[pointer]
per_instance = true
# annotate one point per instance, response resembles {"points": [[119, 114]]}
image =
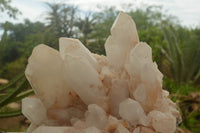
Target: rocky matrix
{"points": [[81, 92]]}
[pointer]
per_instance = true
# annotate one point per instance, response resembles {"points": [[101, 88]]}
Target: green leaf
{"points": [[6, 100], [12, 82], [10, 114], [197, 76], [22, 95]]}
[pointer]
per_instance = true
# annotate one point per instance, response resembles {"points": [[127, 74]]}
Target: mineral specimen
{"points": [[81, 92]]}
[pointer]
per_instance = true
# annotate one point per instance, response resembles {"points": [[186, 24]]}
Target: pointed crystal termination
{"points": [[81, 92], [75, 48], [122, 39], [146, 80], [136, 111], [88, 88], [45, 73], [28, 109]]}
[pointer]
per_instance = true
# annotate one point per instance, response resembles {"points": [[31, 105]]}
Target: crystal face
{"points": [[81, 92]]}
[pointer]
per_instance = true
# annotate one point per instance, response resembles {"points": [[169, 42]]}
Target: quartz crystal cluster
{"points": [[81, 92]]}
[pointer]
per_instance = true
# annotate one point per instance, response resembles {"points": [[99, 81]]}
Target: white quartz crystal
{"points": [[29, 106], [75, 48], [89, 130], [121, 129], [136, 130], [80, 74], [31, 128], [162, 122], [118, 93], [48, 129], [96, 116], [143, 75], [45, 73], [122, 39], [81, 92], [131, 111]]}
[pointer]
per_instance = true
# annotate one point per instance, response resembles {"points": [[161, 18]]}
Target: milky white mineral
{"points": [[136, 111], [81, 92]]}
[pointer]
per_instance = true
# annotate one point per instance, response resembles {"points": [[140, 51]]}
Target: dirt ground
{"points": [[19, 123]]}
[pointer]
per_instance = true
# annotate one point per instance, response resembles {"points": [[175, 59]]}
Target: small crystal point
{"points": [[96, 117], [34, 110], [131, 111]]}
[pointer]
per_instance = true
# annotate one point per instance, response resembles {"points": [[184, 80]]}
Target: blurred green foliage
{"points": [[179, 88], [187, 97], [175, 48], [13, 91]]}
